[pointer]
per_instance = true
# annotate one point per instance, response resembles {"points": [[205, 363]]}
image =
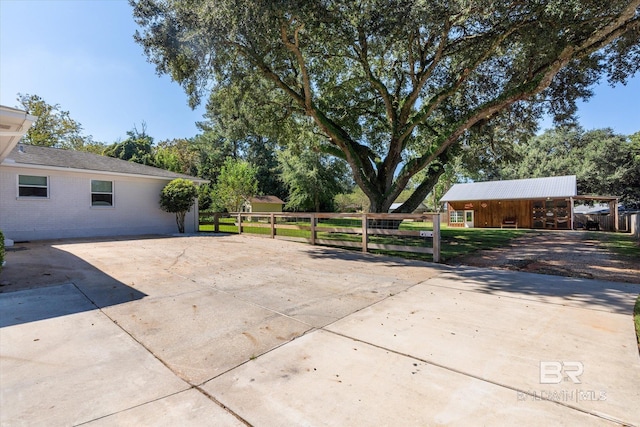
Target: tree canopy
{"points": [[394, 87], [604, 163], [237, 184], [178, 197], [138, 147], [313, 179], [54, 127]]}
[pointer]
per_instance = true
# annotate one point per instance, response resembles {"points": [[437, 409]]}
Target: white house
{"points": [[49, 193]]}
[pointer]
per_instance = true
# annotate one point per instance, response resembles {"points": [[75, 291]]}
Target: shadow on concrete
{"points": [[41, 282], [348, 254], [617, 297]]}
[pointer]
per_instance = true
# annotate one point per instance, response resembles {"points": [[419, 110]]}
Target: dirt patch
{"points": [[565, 253]]}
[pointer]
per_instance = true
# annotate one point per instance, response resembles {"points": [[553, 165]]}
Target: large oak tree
{"points": [[396, 86]]}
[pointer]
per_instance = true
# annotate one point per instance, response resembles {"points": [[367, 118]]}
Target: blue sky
{"points": [[81, 54]]}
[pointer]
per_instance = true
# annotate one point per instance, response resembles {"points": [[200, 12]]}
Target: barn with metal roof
{"points": [[545, 203]]}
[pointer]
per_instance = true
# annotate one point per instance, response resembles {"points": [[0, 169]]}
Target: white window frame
{"points": [[112, 193], [456, 217], [47, 187]]}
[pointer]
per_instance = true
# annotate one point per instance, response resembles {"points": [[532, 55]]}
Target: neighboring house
{"points": [[49, 193], [546, 203], [264, 204]]}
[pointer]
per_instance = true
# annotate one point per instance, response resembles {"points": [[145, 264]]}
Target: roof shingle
{"points": [[80, 160], [266, 199]]}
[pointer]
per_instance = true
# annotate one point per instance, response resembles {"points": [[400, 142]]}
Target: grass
{"points": [[636, 320], [455, 241], [620, 243], [462, 241]]}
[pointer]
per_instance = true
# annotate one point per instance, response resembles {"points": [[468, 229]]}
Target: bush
{"points": [[1, 250], [205, 199], [178, 197]]}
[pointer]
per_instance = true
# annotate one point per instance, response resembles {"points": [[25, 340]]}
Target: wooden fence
{"points": [[363, 231]]}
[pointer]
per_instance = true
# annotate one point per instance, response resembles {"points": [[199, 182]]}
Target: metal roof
{"points": [[532, 188], [56, 158]]}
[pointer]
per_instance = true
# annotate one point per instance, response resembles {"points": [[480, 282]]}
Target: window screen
{"points": [[101, 193], [33, 186]]}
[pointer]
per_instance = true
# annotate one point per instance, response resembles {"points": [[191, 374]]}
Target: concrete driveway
{"points": [[235, 330]]}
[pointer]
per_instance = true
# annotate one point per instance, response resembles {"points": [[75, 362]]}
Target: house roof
{"points": [[56, 158], [267, 199], [533, 188]]}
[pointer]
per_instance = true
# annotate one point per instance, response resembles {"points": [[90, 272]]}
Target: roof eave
{"points": [[93, 171], [15, 124]]}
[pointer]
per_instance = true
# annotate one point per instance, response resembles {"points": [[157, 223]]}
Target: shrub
{"points": [[178, 197]]}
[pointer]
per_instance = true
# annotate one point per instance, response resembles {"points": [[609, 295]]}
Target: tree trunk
{"points": [[180, 221]]}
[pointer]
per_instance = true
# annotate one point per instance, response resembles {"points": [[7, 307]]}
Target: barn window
{"points": [[101, 193], [33, 186], [456, 217]]}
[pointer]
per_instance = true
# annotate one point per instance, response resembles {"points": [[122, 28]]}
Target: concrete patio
{"points": [[240, 330]]}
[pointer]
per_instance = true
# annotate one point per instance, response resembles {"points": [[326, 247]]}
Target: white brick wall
{"points": [[68, 211]]}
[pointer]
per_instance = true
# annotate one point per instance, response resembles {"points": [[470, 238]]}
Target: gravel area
{"points": [[566, 253]]}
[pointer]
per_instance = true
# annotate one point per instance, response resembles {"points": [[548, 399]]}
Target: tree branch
{"points": [[294, 47], [362, 52]]}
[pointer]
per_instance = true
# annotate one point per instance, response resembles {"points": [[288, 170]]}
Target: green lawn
{"points": [[455, 241], [636, 319], [621, 243], [462, 241]]}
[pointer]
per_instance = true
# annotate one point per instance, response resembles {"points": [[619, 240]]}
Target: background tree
{"points": [[313, 178], [177, 155], [247, 119], [236, 184], [263, 153], [212, 151], [205, 198], [138, 147], [178, 197], [395, 87], [631, 178], [354, 201], [54, 127], [604, 163]]}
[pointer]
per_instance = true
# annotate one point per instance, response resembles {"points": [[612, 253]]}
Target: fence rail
{"points": [[364, 231]]}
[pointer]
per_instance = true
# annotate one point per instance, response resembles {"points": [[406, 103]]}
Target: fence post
{"points": [[239, 223], [436, 237], [313, 229], [273, 225], [216, 222], [365, 233]]}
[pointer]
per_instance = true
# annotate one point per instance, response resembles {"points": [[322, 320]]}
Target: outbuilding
{"points": [[264, 204], [543, 203]]}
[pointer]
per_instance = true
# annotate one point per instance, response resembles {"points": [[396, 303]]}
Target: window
{"points": [[456, 217], [101, 193], [33, 186]]}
